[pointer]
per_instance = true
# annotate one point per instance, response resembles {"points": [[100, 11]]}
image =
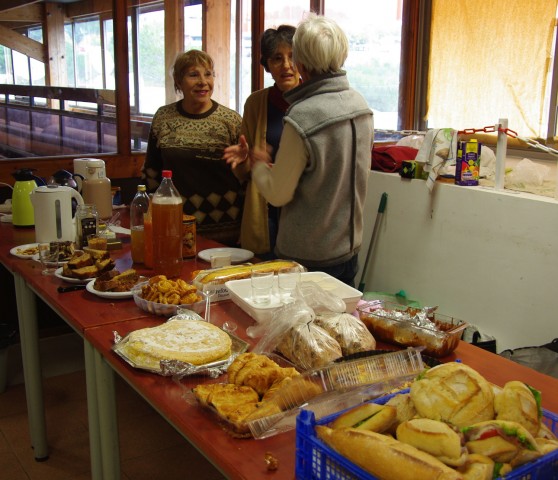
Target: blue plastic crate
{"points": [[317, 461]]}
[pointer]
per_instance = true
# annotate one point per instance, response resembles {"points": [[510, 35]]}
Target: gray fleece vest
{"points": [[322, 225]]}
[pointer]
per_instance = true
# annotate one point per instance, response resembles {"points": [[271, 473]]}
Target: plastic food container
{"points": [[315, 459], [336, 387], [241, 293], [392, 328], [164, 309]]}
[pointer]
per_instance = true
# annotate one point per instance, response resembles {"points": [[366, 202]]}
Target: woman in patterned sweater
{"points": [[188, 137]]}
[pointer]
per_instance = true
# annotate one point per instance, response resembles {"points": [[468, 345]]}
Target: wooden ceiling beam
{"points": [[29, 13], [22, 44], [11, 4]]}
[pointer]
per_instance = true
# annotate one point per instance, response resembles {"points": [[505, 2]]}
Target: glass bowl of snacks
{"points": [[162, 296]]}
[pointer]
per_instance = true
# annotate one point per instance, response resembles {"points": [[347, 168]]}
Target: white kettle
{"points": [[53, 213]]}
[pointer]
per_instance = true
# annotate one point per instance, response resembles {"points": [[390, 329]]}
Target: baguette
{"points": [[385, 457], [369, 416], [433, 437]]}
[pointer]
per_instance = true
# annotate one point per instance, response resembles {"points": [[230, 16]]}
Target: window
{"points": [[373, 29], [483, 69], [151, 65], [88, 56], [280, 13]]}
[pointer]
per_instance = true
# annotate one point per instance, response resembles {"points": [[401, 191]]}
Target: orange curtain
{"points": [[491, 60]]}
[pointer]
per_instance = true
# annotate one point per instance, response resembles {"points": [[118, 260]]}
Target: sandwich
{"points": [[453, 393], [384, 457], [517, 402], [478, 467], [434, 437], [502, 441], [369, 416]]}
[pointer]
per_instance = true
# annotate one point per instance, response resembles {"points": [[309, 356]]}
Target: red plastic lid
{"points": [[167, 173]]}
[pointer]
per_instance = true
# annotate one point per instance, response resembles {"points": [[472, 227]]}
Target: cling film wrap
{"points": [[239, 272]]}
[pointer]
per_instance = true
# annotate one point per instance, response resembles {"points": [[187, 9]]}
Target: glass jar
{"points": [[87, 223]]}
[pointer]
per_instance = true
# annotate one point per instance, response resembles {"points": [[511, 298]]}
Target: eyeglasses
{"points": [[277, 60], [197, 76]]}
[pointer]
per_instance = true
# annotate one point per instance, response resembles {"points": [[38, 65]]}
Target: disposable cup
{"points": [[262, 283], [287, 279]]}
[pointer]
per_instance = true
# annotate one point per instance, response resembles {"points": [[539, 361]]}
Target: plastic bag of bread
{"points": [[309, 346], [293, 333], [318, 299], [349, 331]]}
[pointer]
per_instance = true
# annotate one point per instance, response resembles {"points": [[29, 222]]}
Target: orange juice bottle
{"points": [[167, 228]]}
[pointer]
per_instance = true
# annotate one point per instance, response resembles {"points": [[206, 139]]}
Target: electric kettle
{"points": [[22, 208], [53, 213]]}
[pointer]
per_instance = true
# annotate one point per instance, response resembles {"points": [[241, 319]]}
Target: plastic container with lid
{"points": [[167, 228], [97, 188], [138, 208]]}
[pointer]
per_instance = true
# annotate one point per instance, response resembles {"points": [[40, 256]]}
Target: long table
{"points": [[97, 319]]}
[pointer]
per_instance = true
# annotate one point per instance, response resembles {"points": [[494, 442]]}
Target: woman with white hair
{"points": [[320, 172]]}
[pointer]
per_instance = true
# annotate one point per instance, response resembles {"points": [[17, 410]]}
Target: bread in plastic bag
{"points": [[309, 346], [349, 331], [292, 333]]}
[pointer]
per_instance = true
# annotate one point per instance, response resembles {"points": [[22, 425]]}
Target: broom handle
{"points": [[381, 208]]}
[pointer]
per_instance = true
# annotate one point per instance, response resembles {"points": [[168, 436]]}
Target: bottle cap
{"points": [[141, 188], [167, 173]]}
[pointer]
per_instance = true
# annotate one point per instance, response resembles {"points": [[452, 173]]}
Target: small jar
{"points": [[189, 236], [87, 223]]}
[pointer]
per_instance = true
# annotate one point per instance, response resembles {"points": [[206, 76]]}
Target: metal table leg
{"points": [[29, 335], [108, 425], [93, 412]]}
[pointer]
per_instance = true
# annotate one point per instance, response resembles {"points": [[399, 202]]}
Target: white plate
{"points": [[79, 281], [238, 255], [241, 293], [91, 289], [14, 251]]}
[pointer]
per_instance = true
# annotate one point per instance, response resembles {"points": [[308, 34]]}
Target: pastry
{"points": [[190, 341]]}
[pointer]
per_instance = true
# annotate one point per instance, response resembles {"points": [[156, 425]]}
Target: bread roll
{"points": [[516, 403], [433, 437], [477, 467], [453, 393], [385, 457], [404, 407]]}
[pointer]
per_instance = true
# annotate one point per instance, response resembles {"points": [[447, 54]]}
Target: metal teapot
{"points": [[22, 209], [65, 179]]}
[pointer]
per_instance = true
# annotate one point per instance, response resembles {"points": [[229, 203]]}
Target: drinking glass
{"points": [[262, 283], [287, 279], [48, 256]]}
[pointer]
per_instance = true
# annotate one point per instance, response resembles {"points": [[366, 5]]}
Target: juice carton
{"points": [[467, 166]]}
